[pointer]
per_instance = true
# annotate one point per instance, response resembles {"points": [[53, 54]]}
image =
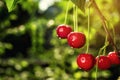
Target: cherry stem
{"points": [[104, 24], [113, 30], [66, 14], [76, 16], [96, 70], [88, 35], [105, 45]]}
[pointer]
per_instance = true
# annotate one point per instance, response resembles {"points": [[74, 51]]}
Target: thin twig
{"points": [[103, 19]]}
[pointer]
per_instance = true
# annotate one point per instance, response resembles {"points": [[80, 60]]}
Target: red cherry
{"points": [[63, 31], [113, 56], [76, 39], [103, 62], [85, 61]]}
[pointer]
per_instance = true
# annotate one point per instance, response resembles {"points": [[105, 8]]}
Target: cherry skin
{"points": [[63, 31], [85, 61], [103, 62], [76, 39], [113, 56]]}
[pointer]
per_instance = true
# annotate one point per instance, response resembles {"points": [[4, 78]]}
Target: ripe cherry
{"points": [[113, 56], [63, 31], [103, 62], [76, 39], [85, 61]]}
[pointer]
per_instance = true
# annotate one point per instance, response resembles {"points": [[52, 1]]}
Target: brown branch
{"points": [[103, 19]]}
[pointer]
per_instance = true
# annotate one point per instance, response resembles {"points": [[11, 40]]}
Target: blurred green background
{"points": [[30, 49]]}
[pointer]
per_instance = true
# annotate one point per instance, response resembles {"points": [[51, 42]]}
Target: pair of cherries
{"points": [[75, 39], [87, 61]]}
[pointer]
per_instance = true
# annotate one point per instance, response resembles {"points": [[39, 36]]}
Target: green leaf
{"points": [[11, 4], [80, 4]]}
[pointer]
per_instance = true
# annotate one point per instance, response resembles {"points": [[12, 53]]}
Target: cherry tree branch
{"points": [[103, 19]]}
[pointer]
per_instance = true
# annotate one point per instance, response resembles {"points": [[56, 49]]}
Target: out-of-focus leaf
{"points": [[80, 4], [11, 4]]}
